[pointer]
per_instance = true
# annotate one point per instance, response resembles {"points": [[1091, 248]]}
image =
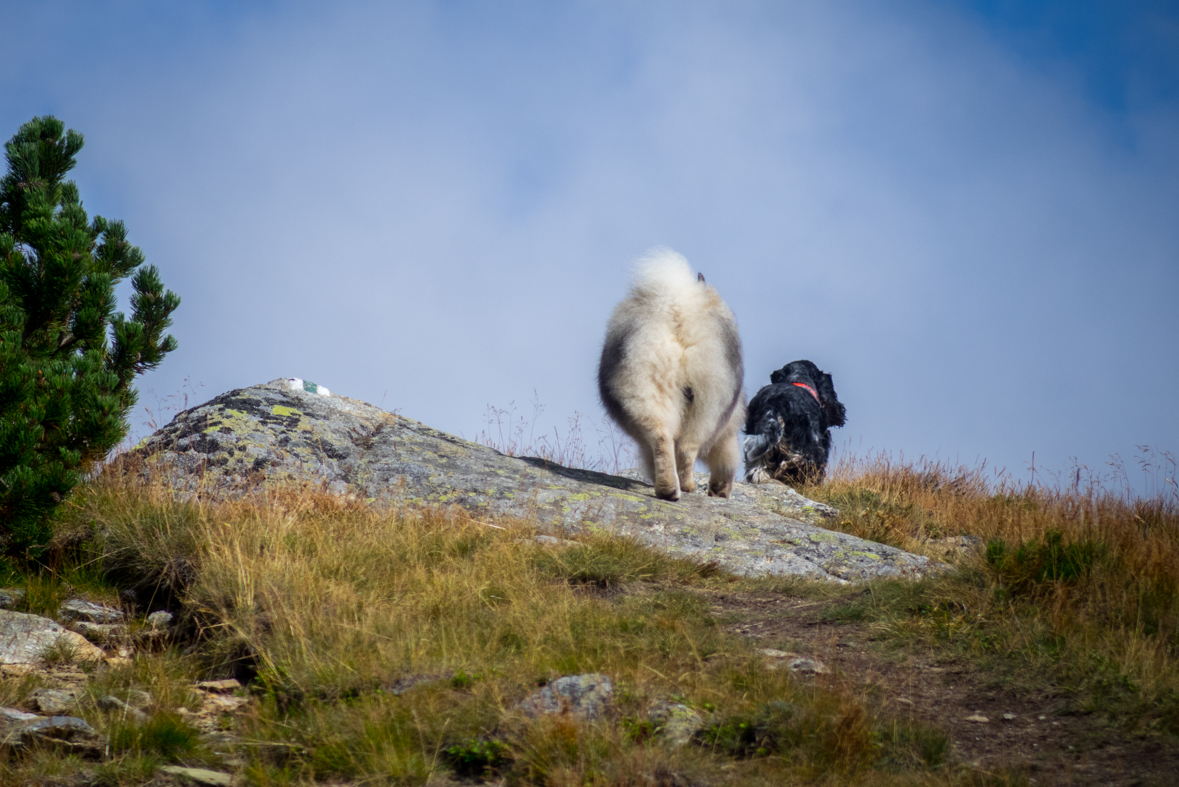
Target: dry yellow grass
{"points": [[393, 646], [1077, 582], [383, 643]]}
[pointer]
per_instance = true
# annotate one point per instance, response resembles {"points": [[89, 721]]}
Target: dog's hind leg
{"points": [[663, 453], [685, 462], [646, 459], [723, 460]]}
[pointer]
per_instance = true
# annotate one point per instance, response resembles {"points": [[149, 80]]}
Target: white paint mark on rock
{"points": [[307, 386]]}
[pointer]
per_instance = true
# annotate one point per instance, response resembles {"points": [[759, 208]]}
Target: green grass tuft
{"points": [[477, 758], [164, 735]]}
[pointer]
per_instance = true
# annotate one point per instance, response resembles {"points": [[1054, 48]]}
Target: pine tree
{"points": [[67, 358]]}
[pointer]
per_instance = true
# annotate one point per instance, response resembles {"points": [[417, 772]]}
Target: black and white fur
{"points": [[788, 427], [671, 375]]}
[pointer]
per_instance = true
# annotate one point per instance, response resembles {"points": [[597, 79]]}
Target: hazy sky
{"points": [[966, 212]]}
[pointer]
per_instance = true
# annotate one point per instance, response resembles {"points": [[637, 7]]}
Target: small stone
{"points": [[15, 670], [10, 597], [553, 541], [78, 609], [219, 686], [67, 733], [69, 674], [978, 718], [100, 633], [160, 620], [677, 722], [220, 738], [199, 775], [227, 703], [794, 662], [1008, 717], [408, 682], [578, 695], [12, 714], [112, 704], [812, 666], [956, 546], [138, 698], [55, 702], [61, 727]]}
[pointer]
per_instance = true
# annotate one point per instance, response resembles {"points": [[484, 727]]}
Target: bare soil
{"points": [[1013, 730]]}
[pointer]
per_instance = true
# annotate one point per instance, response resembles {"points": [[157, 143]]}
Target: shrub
{"points": [[1036, 563], [66, 357], [775, 727], [477, 757], [165, 735]]}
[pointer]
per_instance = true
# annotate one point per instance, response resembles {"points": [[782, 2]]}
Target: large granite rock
{"points": [[288, 433]]}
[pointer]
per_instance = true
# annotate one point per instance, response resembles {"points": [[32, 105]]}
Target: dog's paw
{"points": [[758, 475], [720, 490], [672, 494]]}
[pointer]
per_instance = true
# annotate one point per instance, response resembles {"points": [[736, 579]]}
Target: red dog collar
{"points": [[811, 390]]}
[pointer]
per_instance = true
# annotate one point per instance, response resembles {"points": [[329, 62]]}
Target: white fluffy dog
{"points": [[671, 376]]}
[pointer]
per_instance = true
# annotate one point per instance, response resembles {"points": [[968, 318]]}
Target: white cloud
{"points": [[443, 206]]}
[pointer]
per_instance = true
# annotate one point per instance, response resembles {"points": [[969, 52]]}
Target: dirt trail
{"points": [[1028, 734]]}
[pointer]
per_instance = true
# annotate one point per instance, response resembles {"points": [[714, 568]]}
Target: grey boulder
{"points": [[288, 434]]}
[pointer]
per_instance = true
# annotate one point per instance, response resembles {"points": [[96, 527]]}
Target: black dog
{"points": [[789, 426]]}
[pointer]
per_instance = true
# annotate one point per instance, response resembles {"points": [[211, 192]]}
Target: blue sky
{"points": [[965, 211]]}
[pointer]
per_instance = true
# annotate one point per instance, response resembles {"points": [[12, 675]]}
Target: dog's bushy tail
{"points": [[767, 434], [663, 272]]}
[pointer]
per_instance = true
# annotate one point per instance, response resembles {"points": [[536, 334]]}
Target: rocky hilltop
{"points": [[290, 433]]}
